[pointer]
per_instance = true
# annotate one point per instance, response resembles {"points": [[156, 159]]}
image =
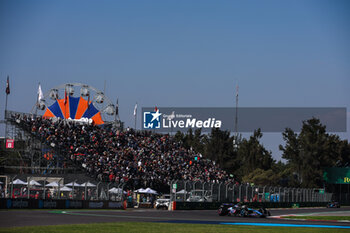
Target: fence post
{"points": [[12, 186], [263, 197], [108, 190], [185, 194], [194, 185], [176, 181], [286, 193], [279, 194], [311, 198], [28, 186], [171, 190], [98, 184], [233, 193], [44, 193], [59, 189], [240, 192], [246, 192]]}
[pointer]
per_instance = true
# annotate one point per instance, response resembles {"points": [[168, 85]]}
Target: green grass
{"points": [[141, 227], [320, 217]]}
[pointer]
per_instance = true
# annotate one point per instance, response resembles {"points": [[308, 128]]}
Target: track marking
{"points": [[199, 221]]}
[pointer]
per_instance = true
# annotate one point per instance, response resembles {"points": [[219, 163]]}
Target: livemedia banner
{"points": [[244, 120]]}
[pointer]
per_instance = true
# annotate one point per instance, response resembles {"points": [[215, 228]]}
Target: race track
{"points": [[11, 218]]}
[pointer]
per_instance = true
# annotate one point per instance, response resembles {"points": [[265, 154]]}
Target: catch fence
{"points": [[189, 191]]}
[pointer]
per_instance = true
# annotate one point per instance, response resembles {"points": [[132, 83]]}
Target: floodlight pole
{"points": [[235, 140], [236, 117], [6, 121]]}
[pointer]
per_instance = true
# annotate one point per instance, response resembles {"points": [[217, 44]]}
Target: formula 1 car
{"points": [[249, 212], [224, 209], [242, 211], [333, 204]]}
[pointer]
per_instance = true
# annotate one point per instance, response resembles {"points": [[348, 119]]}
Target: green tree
{"points": [[253, 155], [219, 148], [262, 177], [310, 151]]}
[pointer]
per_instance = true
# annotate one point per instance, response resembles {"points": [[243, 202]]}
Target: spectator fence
{"points": [[232, 192]]}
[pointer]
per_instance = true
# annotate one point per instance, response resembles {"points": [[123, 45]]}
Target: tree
{"points": [[252, 155], [262, 177], [312, 150]]}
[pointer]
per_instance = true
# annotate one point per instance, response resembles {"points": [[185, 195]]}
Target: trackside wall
{"points": [[8, 203]]}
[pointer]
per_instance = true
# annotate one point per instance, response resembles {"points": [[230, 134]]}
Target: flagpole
{"points": [[5, 107], [236, 117], [135, 122], [37, 102], [7, 93], [5, 119], [115, 115], [135, 114]]}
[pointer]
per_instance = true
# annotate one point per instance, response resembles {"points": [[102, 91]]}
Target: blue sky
{"points": [[180, 53]]}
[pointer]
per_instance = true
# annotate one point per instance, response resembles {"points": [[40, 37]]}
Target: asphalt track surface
{"points": [[12, 218]]}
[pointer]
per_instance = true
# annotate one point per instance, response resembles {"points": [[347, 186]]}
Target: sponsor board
{"points": [[96, 205], [50, 204], [17, 204], [167, 119], [115, 205], [74, 204]]}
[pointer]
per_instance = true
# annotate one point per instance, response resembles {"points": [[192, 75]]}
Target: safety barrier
{"points": [[8, 203]]}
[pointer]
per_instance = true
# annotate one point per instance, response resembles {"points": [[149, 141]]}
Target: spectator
{"points": [[134, 158]]}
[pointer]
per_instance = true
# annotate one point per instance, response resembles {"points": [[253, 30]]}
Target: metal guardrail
{"points": [[230, 192]]}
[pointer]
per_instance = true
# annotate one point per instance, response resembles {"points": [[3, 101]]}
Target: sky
{"points": [[182, 53]]}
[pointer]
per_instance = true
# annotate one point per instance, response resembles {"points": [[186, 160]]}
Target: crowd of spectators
{"points": [[136, 158]]}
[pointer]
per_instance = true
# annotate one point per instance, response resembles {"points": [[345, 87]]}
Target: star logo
{"points": [[156, 115], [152, 120]]}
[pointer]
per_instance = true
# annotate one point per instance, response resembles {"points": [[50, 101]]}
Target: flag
{"points": [[40, 94], [117, 108], [8, 85], [135, 109], [155, 109]]}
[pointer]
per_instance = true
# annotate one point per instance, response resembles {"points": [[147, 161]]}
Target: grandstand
{"points": [[138, 159], [47, 145]]}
